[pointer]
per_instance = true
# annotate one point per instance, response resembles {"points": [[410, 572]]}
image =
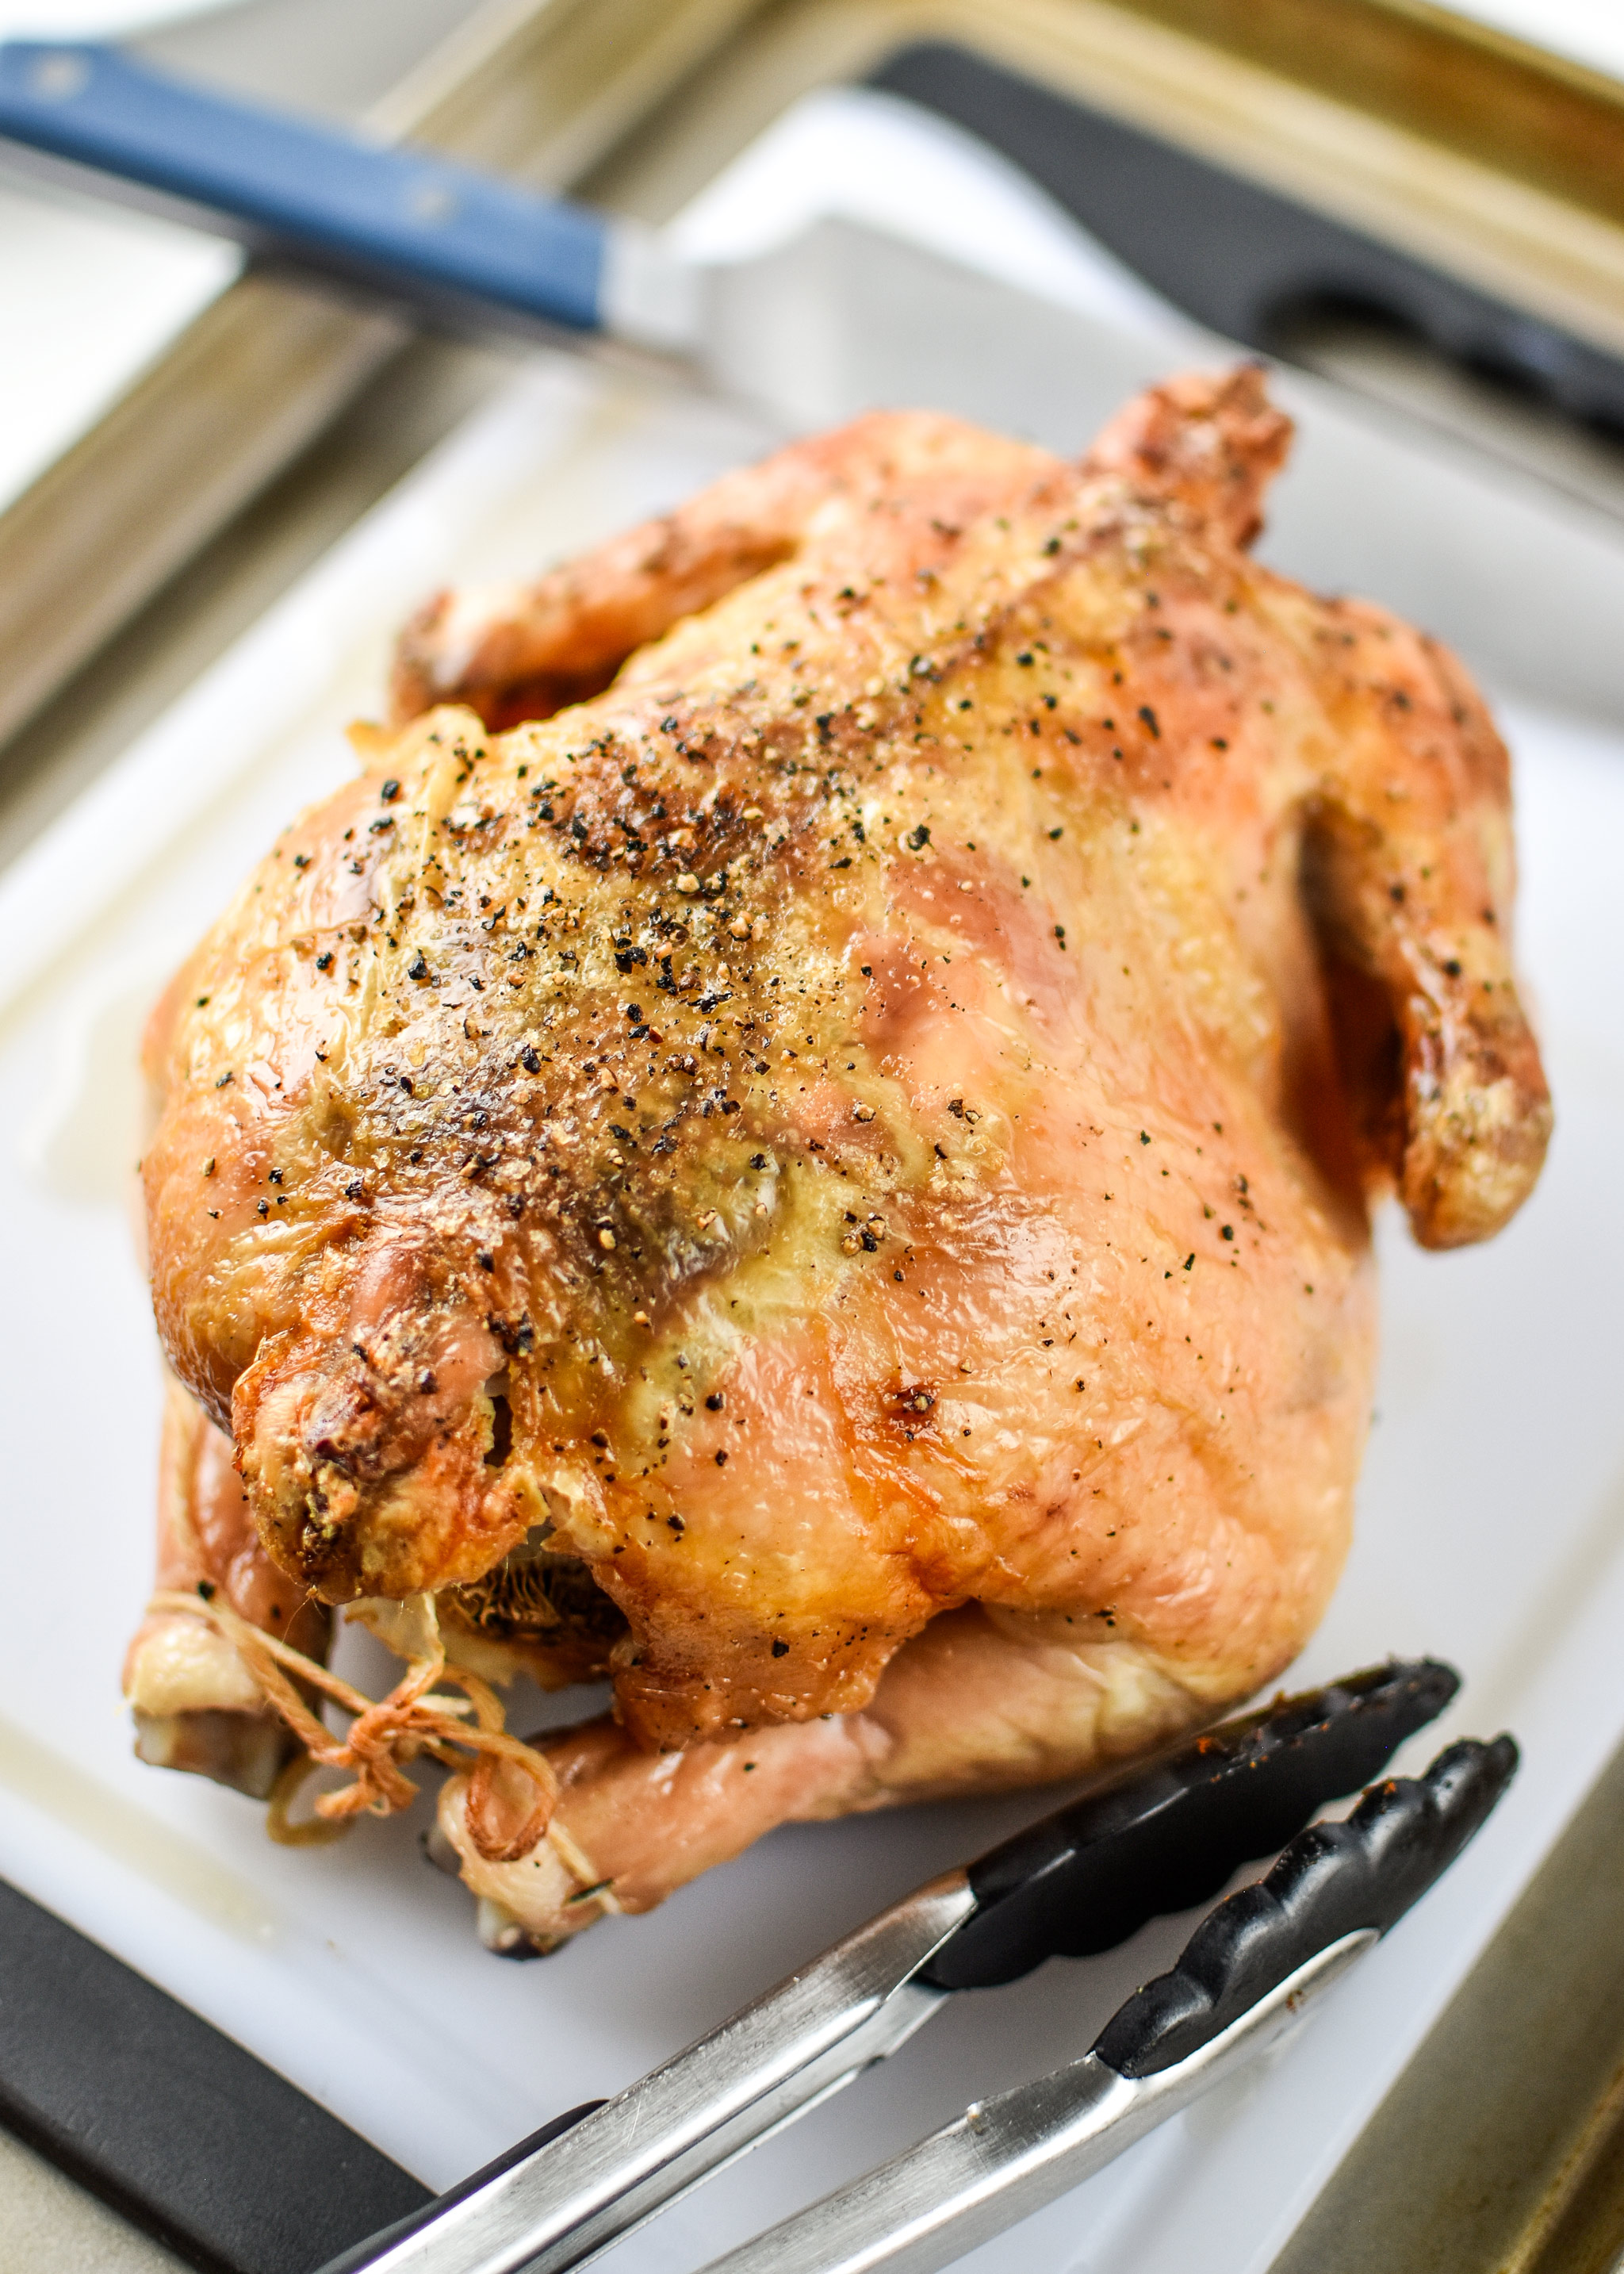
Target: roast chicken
{"points": [[800, 1141]]}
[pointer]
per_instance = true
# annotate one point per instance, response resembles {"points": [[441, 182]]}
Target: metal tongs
{"points": [[1157, 1840]]}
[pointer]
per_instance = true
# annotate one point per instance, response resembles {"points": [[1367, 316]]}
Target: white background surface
{"points": [[1492, 1511], [96, 19], [1588, 31]]}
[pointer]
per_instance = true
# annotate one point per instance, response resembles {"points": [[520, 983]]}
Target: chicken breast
{"points": [[849, 1147]]}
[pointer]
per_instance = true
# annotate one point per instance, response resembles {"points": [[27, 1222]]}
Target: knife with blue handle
{"points": [[403, 220]]}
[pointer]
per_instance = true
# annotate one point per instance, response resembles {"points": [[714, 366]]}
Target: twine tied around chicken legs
{"points": [[415, 1718]]}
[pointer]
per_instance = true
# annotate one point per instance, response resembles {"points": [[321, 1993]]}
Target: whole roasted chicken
{"points": [[800, 1139]]}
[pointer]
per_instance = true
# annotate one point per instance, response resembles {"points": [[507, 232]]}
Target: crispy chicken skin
{"points": [[865, 1120]]}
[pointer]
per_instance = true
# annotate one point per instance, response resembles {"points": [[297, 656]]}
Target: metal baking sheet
{"points": [[1492, 1510]]}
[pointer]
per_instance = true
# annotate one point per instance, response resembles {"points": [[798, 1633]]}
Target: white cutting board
{"points": [[1491, 1526]]}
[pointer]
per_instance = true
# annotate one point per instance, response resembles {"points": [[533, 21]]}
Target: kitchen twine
{"points": [[387, 1731]]}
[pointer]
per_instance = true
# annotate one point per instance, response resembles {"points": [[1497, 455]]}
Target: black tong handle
{"points": [[1156, 1838], [1334, 1880], [1166, 1838]]}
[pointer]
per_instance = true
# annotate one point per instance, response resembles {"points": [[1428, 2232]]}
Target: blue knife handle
{"points": [[402, 218]]}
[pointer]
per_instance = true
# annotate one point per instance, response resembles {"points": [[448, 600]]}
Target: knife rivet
{"points": [[429, 202], [59, 77]]}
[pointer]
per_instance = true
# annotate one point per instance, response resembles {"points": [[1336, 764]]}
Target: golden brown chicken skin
{"points": [[870, 1116]]}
